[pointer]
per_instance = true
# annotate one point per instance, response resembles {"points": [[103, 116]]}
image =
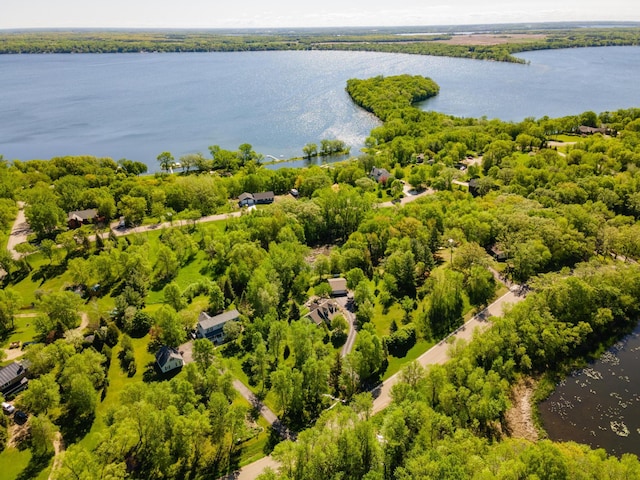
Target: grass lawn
{"points": [[13, 463], [118, 381], [564, 138], [24, 331], [382, 321], [396, 364]]}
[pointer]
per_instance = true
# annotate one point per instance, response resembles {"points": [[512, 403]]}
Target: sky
{"points": [[299, 13]]}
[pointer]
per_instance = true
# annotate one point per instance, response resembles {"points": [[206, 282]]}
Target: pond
{"points": [[600, 404]]}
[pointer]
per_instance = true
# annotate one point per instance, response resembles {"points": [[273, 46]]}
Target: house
{"points": [[13, 378], [322, 311], [380, 175], [585, 130], [497, 253], [213, 327], [168, 358], [77, 218], [263, 198], [247, 199], [338, 287], [474, 187]]}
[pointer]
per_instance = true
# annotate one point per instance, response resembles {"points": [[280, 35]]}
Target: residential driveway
{"points": [[346, 305]]}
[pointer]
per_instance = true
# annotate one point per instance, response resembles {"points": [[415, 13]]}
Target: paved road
{"points": [[251, 471], [439, 353]]}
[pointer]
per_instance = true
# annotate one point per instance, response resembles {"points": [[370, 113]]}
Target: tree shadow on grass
{"points": [[37, 464], [74, 427], [46, 272]]}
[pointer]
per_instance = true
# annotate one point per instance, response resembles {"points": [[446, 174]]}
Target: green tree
{"points": [[166, 161], [260, 360], [42, 432], [81, 397], [10, 302], [170, 329], [173, 296], [203, 353], [49, 249], [42, 211], [132, 209], [43, 394], [60, 312], [310, 150]]}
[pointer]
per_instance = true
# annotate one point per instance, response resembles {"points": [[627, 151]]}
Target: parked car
{"points": [[20, 417], [8, 408]]}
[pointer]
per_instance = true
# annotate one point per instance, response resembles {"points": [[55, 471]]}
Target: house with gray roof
{"points": [[379, 174], [213, 327], [169, 358], [13, 378], [77, 218]]}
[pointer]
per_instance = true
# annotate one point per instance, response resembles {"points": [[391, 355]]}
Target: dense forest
{"points": [[507, 41], [465, 207]]}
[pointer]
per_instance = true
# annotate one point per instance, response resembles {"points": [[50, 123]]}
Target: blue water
{"points": [[138, 105]]}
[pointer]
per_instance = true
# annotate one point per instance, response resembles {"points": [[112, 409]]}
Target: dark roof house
{"points": [[379, 174], [585, 130], [263, 197], [13, 378], [168, 358], [213, 327], [77, 218]]}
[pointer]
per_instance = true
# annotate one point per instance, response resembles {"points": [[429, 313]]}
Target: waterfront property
{"points": [[212, 328]]}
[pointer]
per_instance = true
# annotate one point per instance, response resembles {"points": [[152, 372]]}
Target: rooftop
{"points": [[206, 321]]}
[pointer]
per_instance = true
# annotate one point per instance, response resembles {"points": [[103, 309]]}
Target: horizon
{"points": [[288, 14]]}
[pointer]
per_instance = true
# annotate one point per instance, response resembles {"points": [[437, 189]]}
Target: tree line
{"points": [[130, 42]]}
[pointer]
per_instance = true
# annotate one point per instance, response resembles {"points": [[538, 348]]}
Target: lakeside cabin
{"points": [[212, 328]]}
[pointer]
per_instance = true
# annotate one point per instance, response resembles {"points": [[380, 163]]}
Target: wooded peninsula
{"points": [[187, 323]]}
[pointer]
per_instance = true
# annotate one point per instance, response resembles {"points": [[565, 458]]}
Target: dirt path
{"points": [[519, 418], [58, 449], [19, 232]]}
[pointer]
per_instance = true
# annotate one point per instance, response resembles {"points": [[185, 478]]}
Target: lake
{"points": [[138, 105], [600, 405]]}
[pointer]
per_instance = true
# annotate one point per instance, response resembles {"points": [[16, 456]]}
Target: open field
{"points": [[492, 39]]}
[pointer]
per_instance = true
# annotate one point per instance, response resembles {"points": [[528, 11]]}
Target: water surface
{"points": [[138, 105], [600, 405]]}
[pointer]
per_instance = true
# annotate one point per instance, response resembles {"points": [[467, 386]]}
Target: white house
{"points": [[213, 327], [168, 358]]}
